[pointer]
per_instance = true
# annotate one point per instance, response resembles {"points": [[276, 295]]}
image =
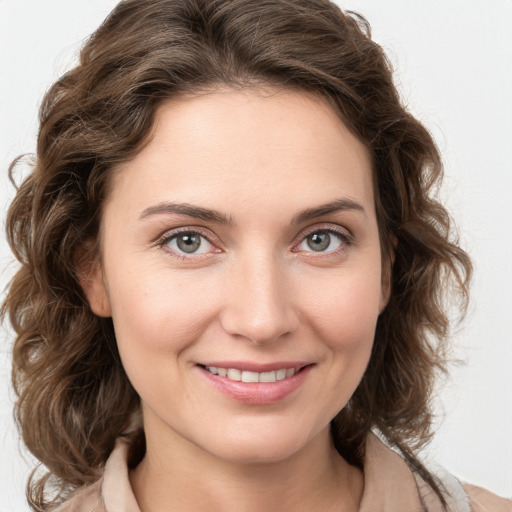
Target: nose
{"points": [[259, 304]]}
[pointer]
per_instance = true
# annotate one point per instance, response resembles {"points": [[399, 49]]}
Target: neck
{"points": [[180, 476]]}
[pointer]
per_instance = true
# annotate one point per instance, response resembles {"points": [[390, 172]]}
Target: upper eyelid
{"points": [[169, 233], [162, 241], [214, 239], [325, 226]]}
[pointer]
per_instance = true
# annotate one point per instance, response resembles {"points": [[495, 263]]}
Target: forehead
{"points": [[255, 147]]}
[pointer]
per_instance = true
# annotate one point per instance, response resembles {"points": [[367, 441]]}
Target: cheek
{"points": [[158, 318], [157, 311], [342, 318], [345, 309]]}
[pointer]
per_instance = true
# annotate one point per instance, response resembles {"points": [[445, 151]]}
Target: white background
{"points": [[454, 67]]}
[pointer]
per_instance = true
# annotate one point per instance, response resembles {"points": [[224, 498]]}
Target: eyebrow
{"points": [[189, 210], [338, 205], [211, 215]]}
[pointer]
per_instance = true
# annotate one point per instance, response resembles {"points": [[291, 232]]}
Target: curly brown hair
{"points": [[74, 398]]}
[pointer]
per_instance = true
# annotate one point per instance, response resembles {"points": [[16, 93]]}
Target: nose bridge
{"points": [[259, 307]]}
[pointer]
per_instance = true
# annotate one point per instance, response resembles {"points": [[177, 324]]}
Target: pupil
{"points": [[319, 241], [188, 242]]}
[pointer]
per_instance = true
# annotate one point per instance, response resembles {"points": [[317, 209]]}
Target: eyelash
{"points": [[345, 237], [168, 236]]}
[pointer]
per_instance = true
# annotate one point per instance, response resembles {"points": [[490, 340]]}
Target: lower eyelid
{"points": [[344, 238], [345, 241], [214, 245]]}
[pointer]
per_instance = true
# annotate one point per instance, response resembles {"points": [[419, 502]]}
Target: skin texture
{"points": [[255, 291]]}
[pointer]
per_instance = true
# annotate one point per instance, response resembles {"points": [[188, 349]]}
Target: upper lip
{"points": [[251, 366]]}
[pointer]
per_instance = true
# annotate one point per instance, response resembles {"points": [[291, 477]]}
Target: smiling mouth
{"points": [[257, 388], [238, 375]]}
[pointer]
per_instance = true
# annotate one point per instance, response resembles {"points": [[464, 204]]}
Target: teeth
{"points": [[234, 374], [267, 377], [281, 374], [246, 376], [249, 376]]}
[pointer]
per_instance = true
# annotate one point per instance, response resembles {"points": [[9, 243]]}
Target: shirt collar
{"points": [[389, 484]]}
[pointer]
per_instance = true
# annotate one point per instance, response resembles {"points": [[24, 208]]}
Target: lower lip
{"points": [[257, 393]]}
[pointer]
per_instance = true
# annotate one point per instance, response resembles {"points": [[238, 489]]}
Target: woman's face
{"points": [[241, 266]]}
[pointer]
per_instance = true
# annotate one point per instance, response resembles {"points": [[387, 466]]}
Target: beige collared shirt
{"points": [[389, 486]]}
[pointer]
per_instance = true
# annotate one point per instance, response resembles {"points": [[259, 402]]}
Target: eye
{"points": [[323, 241], [188, 242]]}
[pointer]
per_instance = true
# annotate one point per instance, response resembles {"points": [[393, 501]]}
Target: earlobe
{"points": [[96, 292], [385, 291], [92, 282], [387, 272]]}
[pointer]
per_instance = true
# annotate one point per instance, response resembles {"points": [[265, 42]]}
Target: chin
{"points": [[258, 453], [262, 446]]}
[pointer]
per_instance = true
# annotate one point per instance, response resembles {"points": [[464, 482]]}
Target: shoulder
{"points": [[483, 500], [459, 496], [87, 499], [390, 480], [112, 492]]}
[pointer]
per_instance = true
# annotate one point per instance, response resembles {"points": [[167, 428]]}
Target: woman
{"points": [[230, 229]]}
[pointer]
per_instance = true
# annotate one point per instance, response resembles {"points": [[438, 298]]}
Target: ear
{"points": [[90, 275], [385, 293], [387, 272]]}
